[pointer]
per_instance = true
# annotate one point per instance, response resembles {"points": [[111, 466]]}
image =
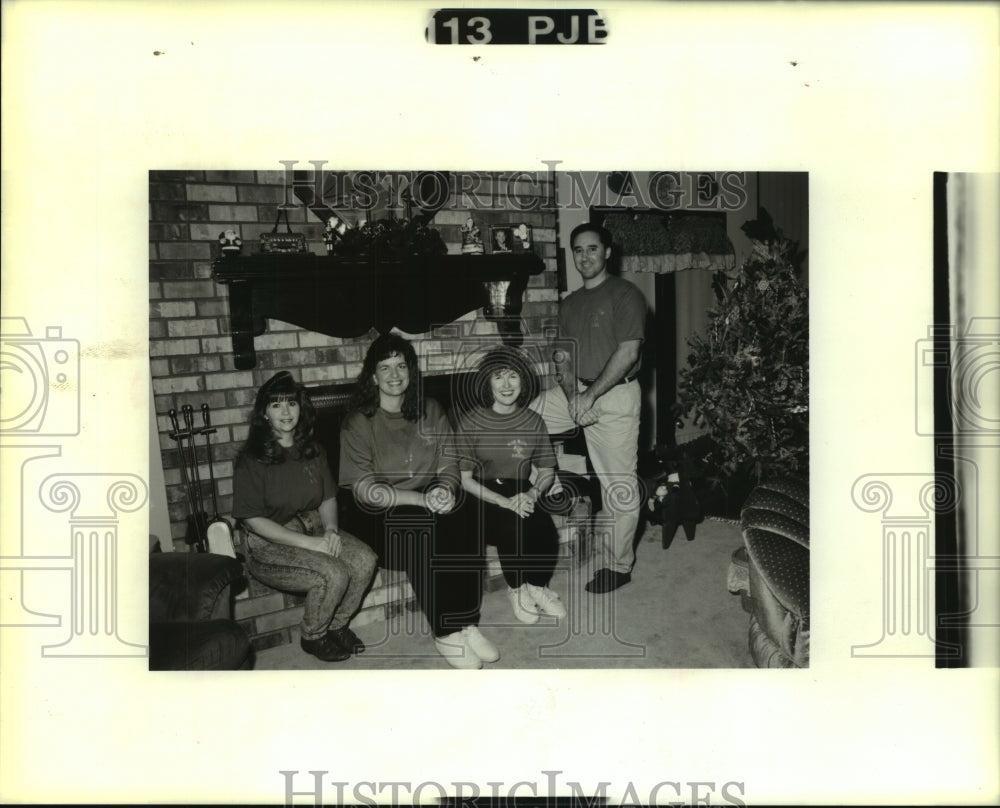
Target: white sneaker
{"points": [[456, 651], [479, 646], [523, 605], [547, 600]]}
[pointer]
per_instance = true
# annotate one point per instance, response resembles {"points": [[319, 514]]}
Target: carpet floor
{"points": [[676, 613]]}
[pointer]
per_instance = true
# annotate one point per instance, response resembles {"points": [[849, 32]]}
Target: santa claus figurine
{"points": [[230, 242]]}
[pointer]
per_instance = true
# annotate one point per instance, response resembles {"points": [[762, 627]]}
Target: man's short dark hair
{"points": [[589, 227]]}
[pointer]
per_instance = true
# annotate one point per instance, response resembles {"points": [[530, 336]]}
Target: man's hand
{"points": [[581, 409]]}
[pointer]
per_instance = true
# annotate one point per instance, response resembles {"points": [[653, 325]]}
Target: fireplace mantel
{"points": [[344, 298]]}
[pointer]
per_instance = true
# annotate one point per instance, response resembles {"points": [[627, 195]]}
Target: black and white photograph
{"points": [[501, 239], [315, 493], [589, 515], [522, 237]]}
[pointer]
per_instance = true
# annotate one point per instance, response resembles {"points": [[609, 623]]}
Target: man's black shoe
{"points": [[346, 639], [608, 581], [324, 649], [600, 577]]}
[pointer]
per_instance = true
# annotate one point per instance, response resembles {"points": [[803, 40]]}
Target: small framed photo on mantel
{"points": [[501, 239], [522, 238]]}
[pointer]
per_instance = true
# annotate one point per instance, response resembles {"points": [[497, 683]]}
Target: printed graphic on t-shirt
{"points": [[518, 447]]}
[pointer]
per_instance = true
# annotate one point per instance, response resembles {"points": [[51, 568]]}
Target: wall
{"points": [[159, 517], [785, 195], [190, 351]]}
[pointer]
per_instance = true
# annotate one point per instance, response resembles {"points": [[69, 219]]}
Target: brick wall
{"points": [[191, 359]]}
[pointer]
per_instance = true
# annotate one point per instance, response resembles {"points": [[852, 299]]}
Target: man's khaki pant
{"points": [[613, 444]]}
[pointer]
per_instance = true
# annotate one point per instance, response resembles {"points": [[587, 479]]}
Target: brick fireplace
{"points": [[191, 351]]}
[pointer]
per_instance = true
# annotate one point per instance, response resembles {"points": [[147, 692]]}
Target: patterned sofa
{"points": [[775, 526]]}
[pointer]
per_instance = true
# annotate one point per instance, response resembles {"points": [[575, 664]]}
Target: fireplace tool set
{"points": [[211, 535]]}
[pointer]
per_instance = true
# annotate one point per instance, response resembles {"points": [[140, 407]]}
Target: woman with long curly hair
{"points": [[397, 455], [286, 499], [501, 443]]}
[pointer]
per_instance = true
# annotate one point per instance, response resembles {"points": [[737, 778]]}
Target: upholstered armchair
{"points": [[775, 526], [191, 624]]}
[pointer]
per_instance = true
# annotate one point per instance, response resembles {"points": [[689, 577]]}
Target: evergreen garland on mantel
{"points": [[747, 383]]}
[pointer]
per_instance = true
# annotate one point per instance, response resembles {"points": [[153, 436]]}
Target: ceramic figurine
{"points": [[335, 228], [472, 241], [231, 243], [522, 237]]}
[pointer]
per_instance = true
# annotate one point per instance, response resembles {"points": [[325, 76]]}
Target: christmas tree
{"points": [[747, 380]]}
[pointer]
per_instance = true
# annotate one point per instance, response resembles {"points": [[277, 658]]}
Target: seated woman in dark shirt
{"points": [[285, 497], [397, 456]]}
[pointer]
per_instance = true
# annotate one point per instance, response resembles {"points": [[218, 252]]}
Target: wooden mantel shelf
{"points": [[344, 298]]}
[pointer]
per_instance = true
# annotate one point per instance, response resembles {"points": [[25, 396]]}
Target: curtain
{"points": [[672, 242], [660, 242]]}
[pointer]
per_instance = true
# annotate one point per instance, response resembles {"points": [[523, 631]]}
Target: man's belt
{"points": [[626, 380]]}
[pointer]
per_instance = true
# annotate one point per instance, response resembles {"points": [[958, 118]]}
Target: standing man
{"points": [[604, 323]]}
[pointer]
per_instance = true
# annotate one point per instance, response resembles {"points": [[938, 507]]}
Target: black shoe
{"points": [[608, 581], [599, 579], [324, 649], [346, 639]]}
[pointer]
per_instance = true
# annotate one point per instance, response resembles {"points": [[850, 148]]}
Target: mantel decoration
{"points": [[673, 242], [501, 239], [333, 231], [385, 239], [522, 237], [747, 383], [278, 242], [472, 240], [230, 243]]}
